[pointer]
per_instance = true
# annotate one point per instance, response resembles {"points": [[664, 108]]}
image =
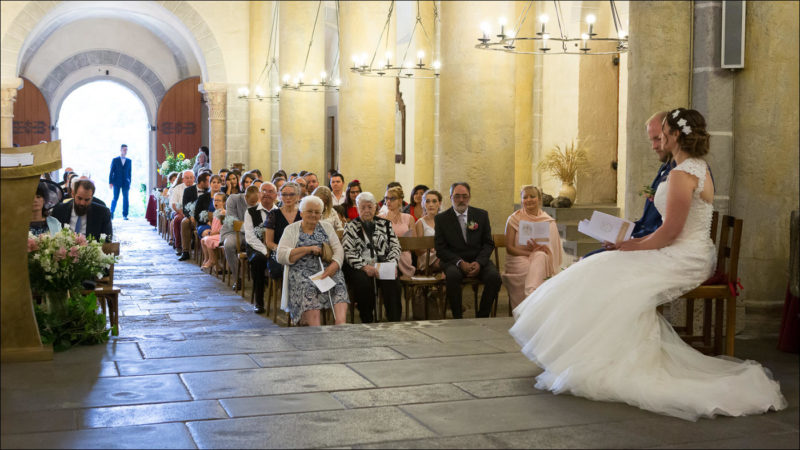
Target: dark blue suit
{"points": [[120, 177], [651, 218]]}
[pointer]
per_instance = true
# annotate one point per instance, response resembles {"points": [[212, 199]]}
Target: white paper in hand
{"points": [[538, 231], [323, 284], [387, 270], [606, 228]]}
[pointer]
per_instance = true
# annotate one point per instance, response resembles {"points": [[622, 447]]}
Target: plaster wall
{"points": [[765, 167], [260, 111], [523, 106], [560, 103]]}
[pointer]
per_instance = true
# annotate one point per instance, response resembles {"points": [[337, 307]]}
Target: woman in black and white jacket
{"points": [[369, 240]]}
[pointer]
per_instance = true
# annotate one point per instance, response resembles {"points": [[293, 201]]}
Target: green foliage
{"points": [[71, 321], [173, 162]]}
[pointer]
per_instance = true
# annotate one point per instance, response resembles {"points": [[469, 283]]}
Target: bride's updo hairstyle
{"points": [[691, 127]]}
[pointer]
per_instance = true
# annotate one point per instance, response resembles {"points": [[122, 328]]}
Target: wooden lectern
{"points": [[18, 328]]}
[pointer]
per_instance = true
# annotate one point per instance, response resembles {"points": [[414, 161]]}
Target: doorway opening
{"points": [[94, 121]]}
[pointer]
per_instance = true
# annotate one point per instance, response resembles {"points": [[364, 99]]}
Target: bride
{"points": [[594, 328]]}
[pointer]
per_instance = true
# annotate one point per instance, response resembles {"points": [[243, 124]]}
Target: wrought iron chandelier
{"points": [[417, 69], [546, 44], [269, 71], [327, 81]]}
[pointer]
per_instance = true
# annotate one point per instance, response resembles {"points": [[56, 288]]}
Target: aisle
{"points": [[165, 298]]}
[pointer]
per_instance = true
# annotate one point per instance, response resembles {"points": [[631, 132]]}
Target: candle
{"points": [[420, 55], [590, 19], [485, 28], [545, 37], [584, 38], [502, 21], [543, 20]]}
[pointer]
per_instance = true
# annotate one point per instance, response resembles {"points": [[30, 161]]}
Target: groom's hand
{"points": [[609, 245], [474, 269]]}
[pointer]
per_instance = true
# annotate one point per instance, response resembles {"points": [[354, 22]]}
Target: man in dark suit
{"points": [[464, 245], [119, 178], [83, 215], [188, 224]]}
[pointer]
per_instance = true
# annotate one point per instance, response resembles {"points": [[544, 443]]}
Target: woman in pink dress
{"points": [[527, 266], [402, 224], [211, 241]]}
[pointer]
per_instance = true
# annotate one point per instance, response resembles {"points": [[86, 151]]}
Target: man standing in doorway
{"points": [[119, 178]]}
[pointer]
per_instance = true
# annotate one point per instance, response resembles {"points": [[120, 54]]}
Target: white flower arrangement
{"points": [[219, 215], [229, 221], [259, 231], [190, 208], [203, 216]]}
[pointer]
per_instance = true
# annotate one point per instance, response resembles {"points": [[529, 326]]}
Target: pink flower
{"points": [[73, 251], [81, 239], [32, 245], [61, 253]]}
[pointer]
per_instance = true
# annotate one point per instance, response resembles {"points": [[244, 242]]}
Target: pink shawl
{"points": [[553, 247]]}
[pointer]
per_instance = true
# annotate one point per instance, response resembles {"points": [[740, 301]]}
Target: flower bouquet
{"points": [[648, 192], [173, 162]]}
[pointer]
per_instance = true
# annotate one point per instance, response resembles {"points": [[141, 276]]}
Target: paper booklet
{"points": [[323, 284], [538, 231], [605, 227], [387, 270]]}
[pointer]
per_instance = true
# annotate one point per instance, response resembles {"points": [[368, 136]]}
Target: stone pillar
{"points": [[657, 80], [216, 97], [8, 95], [424, 102], [260, 111], [477, 110], [302, 114], [523, 104], [366, 104]]}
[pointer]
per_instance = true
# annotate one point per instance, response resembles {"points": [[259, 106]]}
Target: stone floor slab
{"points": [[216, 346], [465, 333], [431, 393], [186, 364], [168, 435], [21, 375], [516, 413], [500, 388], [113, 351], [272, 381], [116, 391], [359, 339], [186, 317], [472, 441], [120, 416], [778, 440], [306, 430], [280, 404], [38, 421], [445, 349], [446, 369], [330, 356], [507, 344]]}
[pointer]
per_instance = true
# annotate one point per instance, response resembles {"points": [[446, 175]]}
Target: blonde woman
{"points": [[402, 224], [328, 213]]}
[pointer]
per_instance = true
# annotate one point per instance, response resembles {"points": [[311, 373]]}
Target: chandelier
{"points": [[417, 69], [546, 44], [325, 82], [269, 71]]}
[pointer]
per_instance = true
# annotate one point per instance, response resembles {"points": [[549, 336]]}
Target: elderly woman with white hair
{"points": [[368, 240], [300, 250]]}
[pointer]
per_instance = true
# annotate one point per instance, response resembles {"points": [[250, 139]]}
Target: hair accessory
{"points": [[686, 129], [682, 122], [676, 113], [355, 181]]}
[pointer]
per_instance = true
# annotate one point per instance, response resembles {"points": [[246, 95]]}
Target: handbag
{"points": [[327, 252]]}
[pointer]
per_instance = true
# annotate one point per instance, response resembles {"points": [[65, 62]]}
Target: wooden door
{"points": [[31, 116], [179, 116]]}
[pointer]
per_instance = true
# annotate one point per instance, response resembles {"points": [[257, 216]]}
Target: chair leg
{"points": [[707, 312], [689, 317], [731, 325], [719, 306]]}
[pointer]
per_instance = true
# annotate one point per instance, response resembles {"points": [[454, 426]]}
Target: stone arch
{"points": [[38, 20], [150, 105]]}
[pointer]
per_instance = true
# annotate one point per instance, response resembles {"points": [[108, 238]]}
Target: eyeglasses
{"points": [[288, 194], [389, 199], [355, 192], [316, 213], [460, 196]]}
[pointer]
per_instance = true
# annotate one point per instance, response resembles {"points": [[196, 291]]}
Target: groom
{"points": [[464, 246], [119, 178]]}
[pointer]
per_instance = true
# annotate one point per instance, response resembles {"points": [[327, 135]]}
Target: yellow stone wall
{"points": [[260, 111], [523, 107], [765, 181]]}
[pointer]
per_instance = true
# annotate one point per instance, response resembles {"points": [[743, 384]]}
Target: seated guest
{"points": [[464, 245], [402, 224], [41, 222], [84, 216], [328, 213], [257, 173], [382, 204], [223, 173], [527, 266], [205, 202], [65, 182], [201, 162], [299, 250], [210, 239], [236, 207], [311, 182], [414, 206], [232, 184], [257, 183], [426, 226], [69, 177], [353, 191], [176, 202], [368, 240], [336, 184], [292, 176], [188, 223], [277, 221], [254, 237], [302, 183]]}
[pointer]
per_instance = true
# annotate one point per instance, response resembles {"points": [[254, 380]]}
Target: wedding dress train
{"points": [[595, 332]]}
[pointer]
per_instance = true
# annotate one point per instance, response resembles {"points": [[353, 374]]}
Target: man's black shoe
{"points": [[184, 256], [235, 286], [178, 251], [259, 310], [125, 218]]}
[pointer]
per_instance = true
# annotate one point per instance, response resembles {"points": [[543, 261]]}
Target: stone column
{"points": [[424, 102], [366, 104], [302, 114], [525, 69], [216, 97], [8, 95], [260, 111], [477, 110], [657, 80]]}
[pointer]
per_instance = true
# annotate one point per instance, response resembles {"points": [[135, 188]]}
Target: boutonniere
{"points": [[472, 225], [648, 192]]}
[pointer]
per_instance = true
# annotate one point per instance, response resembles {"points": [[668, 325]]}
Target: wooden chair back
{"points": [[730, 239], [413, 244], [109, 248], [499, 242], [237, 228]]}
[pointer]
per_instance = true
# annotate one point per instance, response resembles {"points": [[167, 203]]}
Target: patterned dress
{"points": [[303, 294]]}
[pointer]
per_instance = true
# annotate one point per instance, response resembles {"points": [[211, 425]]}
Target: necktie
{"points": [[462, 219], [78, 224]]}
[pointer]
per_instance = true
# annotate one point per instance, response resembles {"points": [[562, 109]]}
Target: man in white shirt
{"points": [[256, 249], [337, 188], [176, 203]]}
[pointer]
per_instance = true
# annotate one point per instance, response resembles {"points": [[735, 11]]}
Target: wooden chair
{"points": [[107, 295], [244, 266], [499, 242], [415, 284], [718, 292], [476, 282]]}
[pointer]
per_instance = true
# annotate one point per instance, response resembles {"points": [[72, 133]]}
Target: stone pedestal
{"points": [[216, 97], [20, 333]]}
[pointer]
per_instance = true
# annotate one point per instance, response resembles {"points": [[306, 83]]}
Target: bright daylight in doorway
{"points": [[94, 121]]}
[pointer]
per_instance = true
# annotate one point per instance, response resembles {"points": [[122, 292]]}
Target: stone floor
{"points": [[194, 367]]}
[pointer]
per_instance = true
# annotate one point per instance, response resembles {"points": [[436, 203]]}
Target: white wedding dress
{"points": [[595, 332]]}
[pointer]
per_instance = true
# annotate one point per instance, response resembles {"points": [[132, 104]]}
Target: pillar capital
{"points": [[8, 95], [216, 97]]}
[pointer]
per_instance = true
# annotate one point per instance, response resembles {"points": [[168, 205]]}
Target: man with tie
{"points": [[464, 245], [119, 178], [83, 215]]}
